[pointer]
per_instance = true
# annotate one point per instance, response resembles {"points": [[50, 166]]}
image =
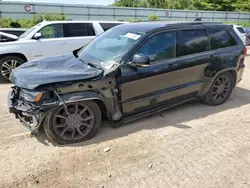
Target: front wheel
{"points": [[78, 122], [220, 90]]}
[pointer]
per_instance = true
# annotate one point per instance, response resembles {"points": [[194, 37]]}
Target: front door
{"points": [[51, 43], [176, 71]]}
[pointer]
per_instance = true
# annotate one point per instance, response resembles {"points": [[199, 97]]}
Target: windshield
{"points": [[108, 48], [26, 33]]}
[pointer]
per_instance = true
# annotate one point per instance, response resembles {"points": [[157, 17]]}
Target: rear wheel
{"points": [[78, 122], [7, 65], [220, 90]]}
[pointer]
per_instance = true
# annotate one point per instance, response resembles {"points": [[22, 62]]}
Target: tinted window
{"points": [[107, 26], [17, 33], [159, 47], [240, 29], [78, 30], [52, 31], [191, 42], [220, 39]]}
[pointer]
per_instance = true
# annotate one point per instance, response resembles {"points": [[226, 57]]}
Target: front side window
{"points": [[191, 42], [220, 38], [52, 31], [78, 30], [159, 47], [29, 31]]}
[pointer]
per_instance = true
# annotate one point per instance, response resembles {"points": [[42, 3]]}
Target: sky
{"points": [[89, 2]]}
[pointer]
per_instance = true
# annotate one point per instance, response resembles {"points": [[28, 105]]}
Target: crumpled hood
{"points": [[59, 68]]}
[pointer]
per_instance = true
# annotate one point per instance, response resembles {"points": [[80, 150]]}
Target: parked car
{"points": [[247, 31], [13, 31], [5, 37], [240, 32], [128, 72], [48, 39]]}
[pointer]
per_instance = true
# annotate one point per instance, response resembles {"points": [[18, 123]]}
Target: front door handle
{"points": [[172, 65], [61, 43]]}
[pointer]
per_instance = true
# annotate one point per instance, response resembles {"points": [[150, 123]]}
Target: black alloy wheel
{"points": [[78, 122]]}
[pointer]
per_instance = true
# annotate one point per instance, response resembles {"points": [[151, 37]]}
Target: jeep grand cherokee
{"points": [[130, 71]]}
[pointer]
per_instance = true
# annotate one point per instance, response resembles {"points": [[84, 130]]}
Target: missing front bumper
{"points": [[30, 116]]}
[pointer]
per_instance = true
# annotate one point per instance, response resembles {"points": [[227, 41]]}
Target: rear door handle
{"points": [[61, 43], [172, 65]]}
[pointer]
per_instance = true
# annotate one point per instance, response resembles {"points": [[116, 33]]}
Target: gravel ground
{"points": [[193, 145]]}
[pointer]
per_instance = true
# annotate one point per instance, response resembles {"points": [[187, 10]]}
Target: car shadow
{"points": [[175, 117]]}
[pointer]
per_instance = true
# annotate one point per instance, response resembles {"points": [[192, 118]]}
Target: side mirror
{"points": [[140, 60], [37, 36]]}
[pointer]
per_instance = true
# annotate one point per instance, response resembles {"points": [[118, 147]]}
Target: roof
{"points": [[80, 21], [148, 26]]}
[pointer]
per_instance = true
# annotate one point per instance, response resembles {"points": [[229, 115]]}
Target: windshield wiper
{"points": [[92, 64]]}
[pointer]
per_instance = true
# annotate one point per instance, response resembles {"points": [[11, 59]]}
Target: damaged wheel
{"points": [[78, 122]]}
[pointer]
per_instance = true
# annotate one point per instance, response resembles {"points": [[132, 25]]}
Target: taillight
{"points": [[245, 51]]}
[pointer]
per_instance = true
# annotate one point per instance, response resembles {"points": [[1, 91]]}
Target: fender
{"points": [[110, 103], [210, 80], [83, 96], [17, 47]]}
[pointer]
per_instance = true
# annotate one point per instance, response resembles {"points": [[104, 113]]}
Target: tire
{"points": [[216, 95], [5, 71], [247, 41], [73, 121]]}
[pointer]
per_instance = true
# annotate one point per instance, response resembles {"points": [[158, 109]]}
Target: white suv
{"points": [[48, 39], [240, 32]]}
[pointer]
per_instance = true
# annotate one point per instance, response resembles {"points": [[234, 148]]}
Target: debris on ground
{"points": [[107, 149], [150, 166]]}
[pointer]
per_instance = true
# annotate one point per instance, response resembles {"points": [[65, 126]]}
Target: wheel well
{"points": [[234, 76], [102, 107], [14, 54]]}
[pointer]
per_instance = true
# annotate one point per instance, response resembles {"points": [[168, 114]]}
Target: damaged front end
{"points": [[30, 107]]}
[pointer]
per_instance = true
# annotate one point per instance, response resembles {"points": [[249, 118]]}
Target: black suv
{"points": [[128, 72]]}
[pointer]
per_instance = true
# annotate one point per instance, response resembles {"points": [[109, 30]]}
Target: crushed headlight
{"points": [[31, 96]]}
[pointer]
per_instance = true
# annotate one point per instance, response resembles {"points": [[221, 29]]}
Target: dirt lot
{"points": [[190, 146]]}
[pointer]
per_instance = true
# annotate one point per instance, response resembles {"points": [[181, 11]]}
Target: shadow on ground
{"points": [[172, 117]]}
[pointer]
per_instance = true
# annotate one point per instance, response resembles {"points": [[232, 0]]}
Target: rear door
{"points": [[77, 35]]}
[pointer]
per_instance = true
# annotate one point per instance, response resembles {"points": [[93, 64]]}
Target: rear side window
{"points": [[220, 39], [107, 26], [191, 42], [240, 29], [78, 30]]}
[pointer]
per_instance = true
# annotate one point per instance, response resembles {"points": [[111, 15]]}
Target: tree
{"points": [[217, 5], [130, 3], [15, 24]]}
